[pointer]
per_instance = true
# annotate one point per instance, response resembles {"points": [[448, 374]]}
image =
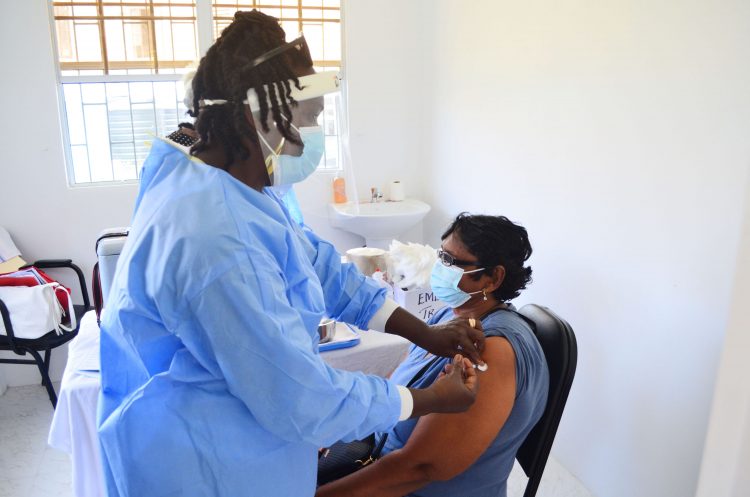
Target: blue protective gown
{"points": [[211, 380]]}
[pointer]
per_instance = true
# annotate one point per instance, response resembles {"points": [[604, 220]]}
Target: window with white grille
{"points": [[121, 63]]}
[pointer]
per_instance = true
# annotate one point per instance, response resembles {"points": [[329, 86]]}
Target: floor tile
{"points": [[32, 469]]}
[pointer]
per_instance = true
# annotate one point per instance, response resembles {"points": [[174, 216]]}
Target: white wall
{"points": [[726, 459], [617, 133], [385, 47], [45, 218], [49, 219]]}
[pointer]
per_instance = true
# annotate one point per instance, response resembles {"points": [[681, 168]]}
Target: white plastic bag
{"points": [[35, 311], [410, 265]]}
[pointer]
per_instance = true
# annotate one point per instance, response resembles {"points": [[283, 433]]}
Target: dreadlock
{"points": [[225, 72]]}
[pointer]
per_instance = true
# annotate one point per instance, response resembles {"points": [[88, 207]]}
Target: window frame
{"points": [[204, 19]]}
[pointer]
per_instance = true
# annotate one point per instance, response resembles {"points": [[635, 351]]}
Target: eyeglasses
{"points": [[448, 260], [300, 56]]}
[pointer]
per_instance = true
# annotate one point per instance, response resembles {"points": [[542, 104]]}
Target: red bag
{"points": [[33, 276]]}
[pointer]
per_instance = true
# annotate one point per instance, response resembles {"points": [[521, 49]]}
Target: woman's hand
{"points": [[454, 391], [458, 336]]}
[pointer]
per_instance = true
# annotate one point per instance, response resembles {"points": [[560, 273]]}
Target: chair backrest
{"points": [[109, 245], [561, 351]]}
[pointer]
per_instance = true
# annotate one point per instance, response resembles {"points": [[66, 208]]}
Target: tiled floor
{"points": [[29, 468]]}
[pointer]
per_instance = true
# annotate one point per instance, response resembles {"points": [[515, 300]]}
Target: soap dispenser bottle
{"points": [[339, 190]]}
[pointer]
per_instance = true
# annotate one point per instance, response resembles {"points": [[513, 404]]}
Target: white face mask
{"points": [[289, 169]]}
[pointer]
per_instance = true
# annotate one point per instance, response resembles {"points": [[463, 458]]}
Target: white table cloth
{"points": [[73, 428]]}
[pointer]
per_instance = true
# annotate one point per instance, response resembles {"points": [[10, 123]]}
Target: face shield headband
{"points": [[312, 86], [300, 56]]}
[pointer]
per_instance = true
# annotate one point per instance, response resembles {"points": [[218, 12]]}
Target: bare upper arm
{"points": [[441, 445], [447, 444]]}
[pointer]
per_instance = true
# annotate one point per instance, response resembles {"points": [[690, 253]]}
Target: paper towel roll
{"points": [[397, 191]]}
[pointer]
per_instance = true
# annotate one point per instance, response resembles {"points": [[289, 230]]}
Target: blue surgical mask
{"points": [[444, 282], [289, 169]]}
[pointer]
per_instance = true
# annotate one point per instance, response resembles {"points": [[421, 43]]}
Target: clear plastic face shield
{"points": [[314, 112], [290, 162]]}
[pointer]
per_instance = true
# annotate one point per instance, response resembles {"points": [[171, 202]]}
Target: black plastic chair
{"points": [[46, 342], [561, 351]]}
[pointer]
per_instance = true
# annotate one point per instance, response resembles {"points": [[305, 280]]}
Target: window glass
{"points": [[121, 64]]}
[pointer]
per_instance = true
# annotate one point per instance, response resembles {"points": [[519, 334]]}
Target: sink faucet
{"points": [[375, 195]]}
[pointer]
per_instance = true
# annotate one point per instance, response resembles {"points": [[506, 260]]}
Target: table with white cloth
{"points": [[73, 428]]}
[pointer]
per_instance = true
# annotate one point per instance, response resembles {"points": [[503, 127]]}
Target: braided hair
{"points": [[226, 72]]}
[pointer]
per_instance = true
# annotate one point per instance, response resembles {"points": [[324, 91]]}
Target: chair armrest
{"points": [[9, 328], [52, 263], [66, 263]]}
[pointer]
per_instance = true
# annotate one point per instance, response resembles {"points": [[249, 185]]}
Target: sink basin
{"points": [[380, 222]]}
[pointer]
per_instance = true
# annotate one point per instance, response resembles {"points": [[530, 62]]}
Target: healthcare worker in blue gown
{"points": [[211, 380]]}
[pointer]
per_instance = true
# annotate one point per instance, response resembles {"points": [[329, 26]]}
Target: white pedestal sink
{"points": [[379, 222]]}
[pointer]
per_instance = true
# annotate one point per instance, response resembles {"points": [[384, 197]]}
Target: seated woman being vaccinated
{"points": [[480, 269]]}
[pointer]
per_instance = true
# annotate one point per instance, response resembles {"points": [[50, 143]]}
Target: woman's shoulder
{"points": [[509, 324], [531, 364], [506, 321]]}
